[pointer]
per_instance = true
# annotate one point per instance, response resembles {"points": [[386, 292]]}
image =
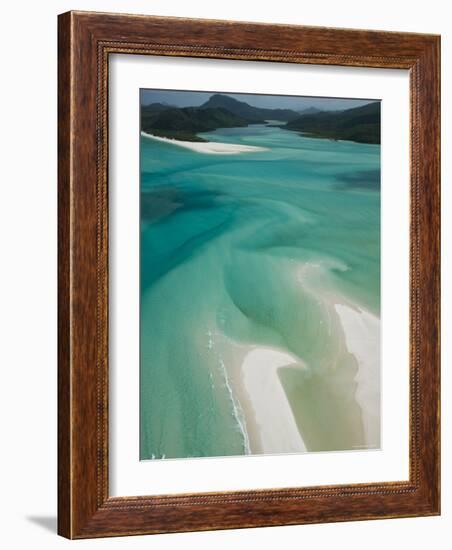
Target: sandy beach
{"points": [[209, 147], [362, 337], [361, 334], [274, 418]]}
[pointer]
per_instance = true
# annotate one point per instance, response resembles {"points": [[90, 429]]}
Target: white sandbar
{"points": [[362, 338], [208, 147], [274, 418]]}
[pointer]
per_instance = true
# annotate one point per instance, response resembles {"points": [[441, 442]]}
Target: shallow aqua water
{"points": [[223, 239]]}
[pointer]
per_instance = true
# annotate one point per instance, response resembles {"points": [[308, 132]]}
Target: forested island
{"points": [[360, 124], [184, 123]]}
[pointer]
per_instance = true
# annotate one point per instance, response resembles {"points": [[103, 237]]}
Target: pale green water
{"points": [[223, 240]]}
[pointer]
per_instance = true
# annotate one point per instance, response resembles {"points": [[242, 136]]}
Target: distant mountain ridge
{"points": [[361, 124], [157, 107], [248, 112], [310, 111]]}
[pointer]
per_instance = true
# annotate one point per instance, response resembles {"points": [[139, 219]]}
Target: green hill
{"points": [[248, 112], [361, 124], [184, 123], [310, 111], [157, 107]]}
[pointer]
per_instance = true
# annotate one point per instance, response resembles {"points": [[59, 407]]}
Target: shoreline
{"points": [[208, 147], [274, 420], [271, 418], [360, 332], [266, 416], [337, 140], [362, 339]]}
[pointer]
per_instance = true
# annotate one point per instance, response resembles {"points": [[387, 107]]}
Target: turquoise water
{"points": [[224, 239]]}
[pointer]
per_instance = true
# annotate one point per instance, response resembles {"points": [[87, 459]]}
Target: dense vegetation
{"points": [[248, 112], [360, 124], [184, 123]]}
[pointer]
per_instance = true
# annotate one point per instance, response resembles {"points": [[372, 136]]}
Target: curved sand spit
{"points": [[209, 147]]}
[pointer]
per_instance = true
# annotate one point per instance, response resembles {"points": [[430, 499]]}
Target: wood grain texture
{"points": [[85, 42], [64, 295]]}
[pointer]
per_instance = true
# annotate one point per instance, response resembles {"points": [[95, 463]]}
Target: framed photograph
{"points": [[248, 275]]}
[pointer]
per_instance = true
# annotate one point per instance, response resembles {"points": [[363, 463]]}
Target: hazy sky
{"points": [[193, 99]]}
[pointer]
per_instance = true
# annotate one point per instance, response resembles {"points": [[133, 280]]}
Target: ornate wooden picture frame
{"points": [[86, 40]]}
